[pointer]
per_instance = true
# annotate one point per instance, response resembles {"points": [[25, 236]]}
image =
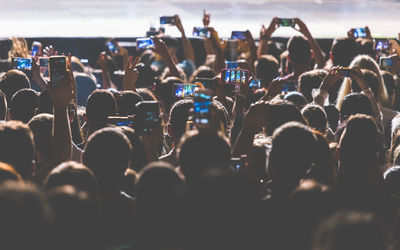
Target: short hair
{"points": [[343, 51], [311, 80], [179, 115], [370, 78], [72, 173], [296, 98], [85, 85], [198, 151], [267, 69], [45, 104], [107, 154], [42, 128], [392, 179], [349, 230], [202, 72], [23, 105], [127, 102], [17, 147], [3, 106], [281, 112], [8, 173], [315, 117], [356, 103], [299, 50], [25, 216], [146, 76], [12, 81], [100, 105]]}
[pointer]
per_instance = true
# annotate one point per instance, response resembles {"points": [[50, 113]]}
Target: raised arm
{"points": [[131, 74], [105, 73], [162, 50], [265, 36], [187, 46], [36, 73], [219, 55], [319, 55]]}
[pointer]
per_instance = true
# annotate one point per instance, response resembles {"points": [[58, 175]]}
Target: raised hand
{"points": [[206, 18], [178, 24], [50, 51], [131, 74], [36, 73], [274, 88], [302, 27], [267, 33], [330, 79]]}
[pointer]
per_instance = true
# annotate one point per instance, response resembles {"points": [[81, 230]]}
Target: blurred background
{"points": [[132, 18]]}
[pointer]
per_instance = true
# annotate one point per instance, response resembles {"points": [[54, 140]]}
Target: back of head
{"points": [[17, 147], [311, 80], [202, 72], [100, 105], [292, 154], [107, 154], [358, 147], [198, 151], [3, 106], [281, 112], [25, 217], [45, 104], [178, 117], [296, 98], [85, 85], [8, 173], [146, 76], [267, 69], [343, 51], [126, 103], [348, 230], [315, 117], [23, 105], [371, 79], [355, 103], [42, 128], [74, 174], [299, 50], [12, 81], [392, 179]]}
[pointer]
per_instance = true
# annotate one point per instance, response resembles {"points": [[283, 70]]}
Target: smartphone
{"points": [[167, 19], [36, 47], [289, 86], [44, 62], [238, 35], [57, 70], [121, 121], [238, 164], [202, 106], [382, 45], [255, 84], [360, 32], [112, 46], [346, 72], [148, 115], [385, 62], [22, 63], [144, 44], [184, 90], [235, 76], [231, 64], [208, 83], [286, 22], [201, 32]]}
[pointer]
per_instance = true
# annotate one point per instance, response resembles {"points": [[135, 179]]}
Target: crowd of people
{"points": [[316, 168]]}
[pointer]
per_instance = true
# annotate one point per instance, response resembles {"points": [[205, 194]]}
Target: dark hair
{"points": [[198, 151], [17, 147], [146, 94], [3, 106], [126, 103], [311, 80], [299, 50], [370, 78], [179, 115], [85, 85], [296, 98], [332, 114], [281, 112], [45, 104], [8, 173], [355, 103], [315, 117], [100, 105], [107, 154], [392, 179], [24, 211], [349, 230], [343, 51], [202, 72], [23, 105], [42, 128], [72, 173], [12, 81], [146, 76], [138, 154], [267, 69]]}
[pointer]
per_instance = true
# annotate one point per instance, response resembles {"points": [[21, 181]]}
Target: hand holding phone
{"points": [[201, 32], [235, 76], [184, 90], [238, 35], [144, 44], [167, 20], [24, 64], [286, 22], [359, 32], [385, 62], [148, 116], [121, 121], [112, 46], [382, 45], [57, 70], [202, 108], [36, 48]]}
